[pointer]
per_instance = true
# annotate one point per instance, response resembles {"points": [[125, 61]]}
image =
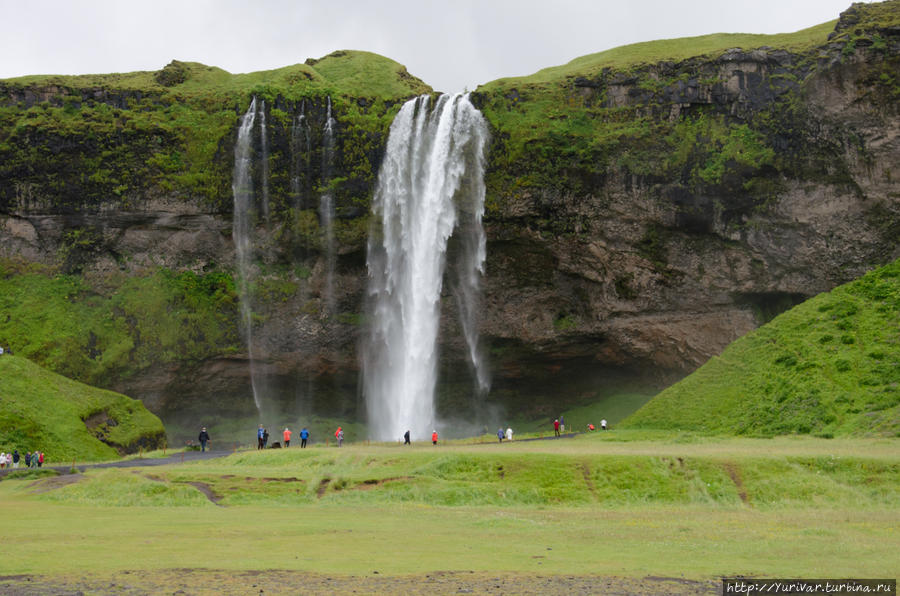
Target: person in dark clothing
{"points": [[500, 434], [203, 438], [260, 433], [304, 434], [406, 438], [16, 458], [27, 459], [265, 438]]}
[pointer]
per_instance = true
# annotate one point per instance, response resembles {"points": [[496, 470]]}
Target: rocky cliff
{"points": [[645, 207]]}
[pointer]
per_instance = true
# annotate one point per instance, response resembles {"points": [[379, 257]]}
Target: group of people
{"points": [[11, 460], [507, 435], [559, 426], [262, 437]]}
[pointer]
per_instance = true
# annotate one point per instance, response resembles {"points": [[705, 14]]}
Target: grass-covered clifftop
{"points": [[41, 410], [74, 142], [830, 366]]}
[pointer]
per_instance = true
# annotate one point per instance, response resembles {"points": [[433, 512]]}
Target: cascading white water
{"points": [[326, 209], [430, 182], [242, 189]]}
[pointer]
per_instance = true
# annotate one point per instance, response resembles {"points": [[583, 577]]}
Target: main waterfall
{"points": [[431, 183]]}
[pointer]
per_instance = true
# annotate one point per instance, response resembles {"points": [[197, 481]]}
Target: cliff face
{"points": [[640, 217], [666, 210]]}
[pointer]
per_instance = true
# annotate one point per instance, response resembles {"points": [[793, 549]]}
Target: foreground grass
{"points": [[415, 539], [696, 508]]}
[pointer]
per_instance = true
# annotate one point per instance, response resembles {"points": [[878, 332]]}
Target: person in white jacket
{"points": [[509, 433]]}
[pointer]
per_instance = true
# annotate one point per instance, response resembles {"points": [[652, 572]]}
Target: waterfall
{"points": [[430, 183], [242, 189], [264, 145], [326, 209]]}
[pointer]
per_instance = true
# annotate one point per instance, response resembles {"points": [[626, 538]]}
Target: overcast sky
{"points": [[451, 45]]}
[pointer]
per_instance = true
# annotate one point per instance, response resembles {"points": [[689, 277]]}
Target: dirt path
{"points": [[208, 582], [175, 458]]}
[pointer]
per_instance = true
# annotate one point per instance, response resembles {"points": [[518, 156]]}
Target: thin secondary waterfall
{"points": [[242, 189], [430, 184], [326, 209], [264, 146]]}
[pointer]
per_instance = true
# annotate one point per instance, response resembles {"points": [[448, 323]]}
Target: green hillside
{"points": [[670, 50], [830, 366], [40, 410], [347, 72]]}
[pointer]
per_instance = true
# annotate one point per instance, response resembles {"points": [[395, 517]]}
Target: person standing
{"points": [[509, 433], [260, 433], [16, 458], [603, 424], [203, 438], [265, 438], [339, 435], [40, 459], [406, 438], [27, 459], [287, 436], [2, 460], [500, 435], [556, 426], [304, 434], [562, 424], [434, 437]]}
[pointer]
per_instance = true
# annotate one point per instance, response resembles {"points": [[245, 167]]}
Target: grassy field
{"points": [[621, 503]]}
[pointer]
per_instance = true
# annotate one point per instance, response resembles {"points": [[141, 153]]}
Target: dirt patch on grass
{"points": [[735, 474], [376, 482], [586, 472], [323, 486], [54, 482], [207, 490], [202, 582]]}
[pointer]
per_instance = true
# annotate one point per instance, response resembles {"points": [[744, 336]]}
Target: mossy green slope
{"points": [[107, 332], [40, 410], [830, 366]]}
